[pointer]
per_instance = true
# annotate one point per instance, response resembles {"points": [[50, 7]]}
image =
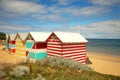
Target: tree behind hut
{"points": [[2, 36]]}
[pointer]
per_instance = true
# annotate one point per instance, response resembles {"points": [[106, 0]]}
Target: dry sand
{"points": [[106, 64], [5, 57]]}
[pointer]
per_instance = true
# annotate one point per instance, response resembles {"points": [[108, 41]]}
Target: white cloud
{"points": [[88, 11], [105, 2], [76, 11], [48, 17], [25, 9], [22, 7], [14, 28], [64, 2], [57, 14], [22, 28], [104, 29]]}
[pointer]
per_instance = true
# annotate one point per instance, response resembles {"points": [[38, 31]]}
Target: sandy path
{"points": [[5, 57], [106, 64]]}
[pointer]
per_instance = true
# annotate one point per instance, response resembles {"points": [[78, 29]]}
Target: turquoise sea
{"points": [[104, 46]]}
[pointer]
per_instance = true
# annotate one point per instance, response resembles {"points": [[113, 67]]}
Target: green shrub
{"points": [[2, 74], [52, 68], [60, 61], [60, 72], [1, 67], [39, 77], [20, 71]]}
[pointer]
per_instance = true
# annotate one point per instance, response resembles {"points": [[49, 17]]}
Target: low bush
{"points": [[20, 71], [2, 74], [39, 77], [60, 61], [52, 68], [1, 67], [58, 72]]}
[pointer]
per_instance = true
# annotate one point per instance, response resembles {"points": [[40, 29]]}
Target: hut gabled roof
{"points": [[40, 36], [70, 37], [12, 36], [23, 36]]}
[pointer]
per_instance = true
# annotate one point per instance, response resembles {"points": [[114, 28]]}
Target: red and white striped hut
{"points": [[12, 43], [67, 44]]}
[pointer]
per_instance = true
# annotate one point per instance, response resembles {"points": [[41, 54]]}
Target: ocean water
{"points": [[104, 46]]}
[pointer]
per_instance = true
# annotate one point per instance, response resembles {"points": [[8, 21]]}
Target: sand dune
{"points": [[106, 64]]}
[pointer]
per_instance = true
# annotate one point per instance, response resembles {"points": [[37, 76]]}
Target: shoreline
{"points": [[103, 63], [108, 57], [89, 52]]}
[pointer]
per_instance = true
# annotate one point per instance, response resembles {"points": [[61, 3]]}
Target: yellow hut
{"points": [[20, 44]]}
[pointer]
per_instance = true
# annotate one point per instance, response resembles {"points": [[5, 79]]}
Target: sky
{"points": [[91, 18]]}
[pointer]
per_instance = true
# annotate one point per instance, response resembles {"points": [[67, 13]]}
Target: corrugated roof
{"points": [[40, 36], [23, 36], [70, 37], [12, 36]]}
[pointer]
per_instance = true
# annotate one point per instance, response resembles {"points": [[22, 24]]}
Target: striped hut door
{"points": [[12, 47]]}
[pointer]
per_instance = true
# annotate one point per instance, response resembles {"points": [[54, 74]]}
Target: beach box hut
{"points": [[11, 44], [20, 43], [7, 42], [68, 45], [36, 45]]}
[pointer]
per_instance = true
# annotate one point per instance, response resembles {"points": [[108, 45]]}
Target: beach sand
{"points": [[5, 57], [106, 64]]}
